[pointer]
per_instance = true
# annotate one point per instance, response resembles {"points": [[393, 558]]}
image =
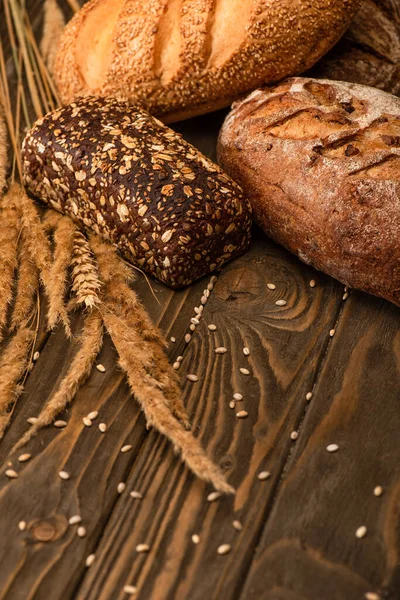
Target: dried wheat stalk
{"points": [[85, 277], [91, 340], [3, 151], [13, 364], [53, 25], [27, 285], [152, 401], [64, 231], [126, 305], [36, 239], [149, 374], [9, 231]]}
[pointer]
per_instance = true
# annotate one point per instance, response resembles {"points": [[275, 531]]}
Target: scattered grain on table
{"points": [[224, 549], [361, 532], [237, 525], [212, 496], [332, 448]]}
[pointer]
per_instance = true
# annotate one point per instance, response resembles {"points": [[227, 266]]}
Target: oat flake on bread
{"points": [[180, 58], [320, 163]]}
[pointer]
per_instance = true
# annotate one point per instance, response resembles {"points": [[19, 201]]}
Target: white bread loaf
{"points": [[180, 58]]}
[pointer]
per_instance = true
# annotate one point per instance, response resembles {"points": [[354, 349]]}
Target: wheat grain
{"points": [[53, 25], [11, 474]]}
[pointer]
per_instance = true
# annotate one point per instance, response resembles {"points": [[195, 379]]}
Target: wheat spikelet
{"points": [[27, 285], [13, 364], [91, 340], [85, 278], [36, 238], [50, 220], [157, 413], [9, 231], [64, 243], [141, 356], [3, 151], [53, 25], [123, 301]]}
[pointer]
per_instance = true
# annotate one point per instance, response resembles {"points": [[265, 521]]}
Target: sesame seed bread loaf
{"points": [[119, 172], [180, 58], [320, 163]]}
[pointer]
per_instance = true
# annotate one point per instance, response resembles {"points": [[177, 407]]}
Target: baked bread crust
{"points": [[320, 163], [369, 51], [119, 172], [180, 58]]}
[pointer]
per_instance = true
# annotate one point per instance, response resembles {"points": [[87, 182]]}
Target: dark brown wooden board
{"points": [[309, 548], [298, 539]]}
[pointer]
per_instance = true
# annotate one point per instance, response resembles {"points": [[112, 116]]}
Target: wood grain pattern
{"points": [[309, 540], [287, 345]]}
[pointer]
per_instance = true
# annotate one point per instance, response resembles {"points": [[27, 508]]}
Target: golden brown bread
{"points": [[179, 58], [320, 163]]}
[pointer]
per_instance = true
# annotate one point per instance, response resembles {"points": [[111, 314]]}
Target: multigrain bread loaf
{"points": [[119, 172], [320, 163], [179, 58]]}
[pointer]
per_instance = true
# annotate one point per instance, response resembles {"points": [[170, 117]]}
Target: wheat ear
{"points": [[91, 340], [27, 285], [157, 413], [36, 238], [9, 232], [85, 277], [13, 364], [138, 344], [53, 25], [125, 304], [64, 231]]}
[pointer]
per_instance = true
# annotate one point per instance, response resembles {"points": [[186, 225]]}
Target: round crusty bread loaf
{"points": [[179, 58], [320, 162], [121, 173]]}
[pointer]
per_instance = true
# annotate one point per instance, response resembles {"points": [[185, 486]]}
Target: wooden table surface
{"points": [[298, 539]]}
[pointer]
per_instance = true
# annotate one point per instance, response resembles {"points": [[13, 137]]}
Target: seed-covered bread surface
{"points": [[180, 58], [119, 172], [320, 163]]}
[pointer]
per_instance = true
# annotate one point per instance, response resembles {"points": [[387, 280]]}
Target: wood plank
{"points": [[29, 566], [308, 548], [287, 346]]}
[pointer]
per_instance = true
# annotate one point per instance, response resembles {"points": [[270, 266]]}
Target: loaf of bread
{"points": [[180, 58], [119, 172], [320, 163], [369, 51]]}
